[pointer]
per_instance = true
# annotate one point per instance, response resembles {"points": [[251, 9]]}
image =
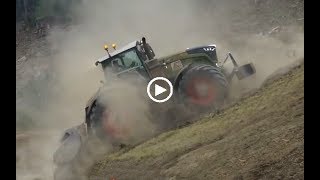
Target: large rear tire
{"points": [[203, 88]]}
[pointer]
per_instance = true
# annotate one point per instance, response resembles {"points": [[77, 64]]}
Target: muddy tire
{"points": [[75, 155], [78, 167], [62, 172], [203, 88], [69, 170], [100, 126], [65, 172]]}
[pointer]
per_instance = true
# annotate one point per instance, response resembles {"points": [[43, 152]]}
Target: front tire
{"points": [[76, 154], [77, 168], [102, 125]]}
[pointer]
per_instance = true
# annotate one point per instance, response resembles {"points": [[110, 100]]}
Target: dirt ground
{"points": [[261, 137]]}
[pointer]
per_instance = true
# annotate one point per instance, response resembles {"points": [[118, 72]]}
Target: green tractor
{"points": [[200, 83]]}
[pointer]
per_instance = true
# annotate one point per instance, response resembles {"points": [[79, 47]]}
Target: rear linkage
{"points": [[240, 71]]}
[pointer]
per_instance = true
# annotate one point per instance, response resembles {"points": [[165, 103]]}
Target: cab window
{"points": [[123, 61], [130, 59]]}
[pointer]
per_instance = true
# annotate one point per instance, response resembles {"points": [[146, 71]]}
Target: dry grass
{"points": [[260, 137]]}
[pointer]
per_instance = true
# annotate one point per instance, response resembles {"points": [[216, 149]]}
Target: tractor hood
{"points": [[172, 56], [209, 50]]}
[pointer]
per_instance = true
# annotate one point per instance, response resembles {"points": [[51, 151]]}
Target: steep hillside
{"points": [[261, 137]]}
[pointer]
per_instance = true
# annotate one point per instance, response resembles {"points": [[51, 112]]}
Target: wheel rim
{"points": [[201, 91]]}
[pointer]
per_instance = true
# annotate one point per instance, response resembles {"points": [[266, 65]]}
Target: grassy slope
{"points": [[260, 137]]}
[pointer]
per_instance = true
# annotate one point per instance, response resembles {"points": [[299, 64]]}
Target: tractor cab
{"points": [[129, 58]]}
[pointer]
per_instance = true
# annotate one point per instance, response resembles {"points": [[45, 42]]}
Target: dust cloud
{"points": [[130, 110], [169, 26], [269, 55]]}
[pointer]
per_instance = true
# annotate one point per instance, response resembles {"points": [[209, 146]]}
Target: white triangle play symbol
{"points": [[159, 90]]}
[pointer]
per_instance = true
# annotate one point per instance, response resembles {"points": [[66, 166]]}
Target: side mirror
{"points": [[143, 40], [97, 63]]}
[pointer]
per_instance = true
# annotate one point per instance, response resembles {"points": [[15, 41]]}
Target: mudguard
{"points": [[179, 76], [91, 101], [69, 148]]}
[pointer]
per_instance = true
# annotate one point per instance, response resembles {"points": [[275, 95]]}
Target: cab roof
{"points": [[118, 51]]}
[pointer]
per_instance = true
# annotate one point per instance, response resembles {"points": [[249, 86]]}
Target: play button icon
{"points": [[161, 88]]}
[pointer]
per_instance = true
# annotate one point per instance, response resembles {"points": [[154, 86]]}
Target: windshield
{"points": [[128, 59]]}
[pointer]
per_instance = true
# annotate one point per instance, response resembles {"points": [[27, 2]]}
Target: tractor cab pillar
{"points": [[147, 49]]}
